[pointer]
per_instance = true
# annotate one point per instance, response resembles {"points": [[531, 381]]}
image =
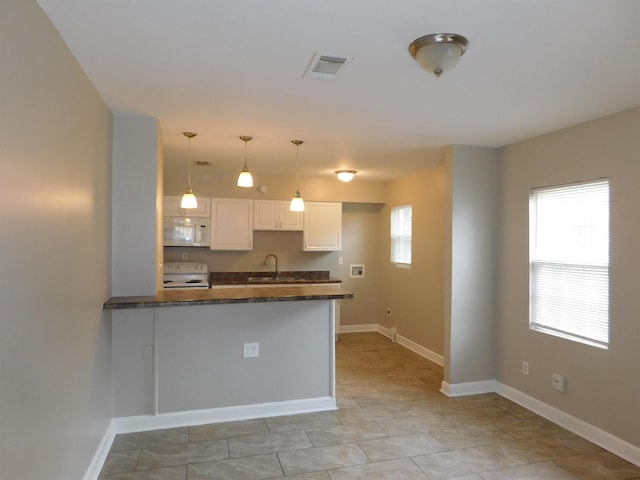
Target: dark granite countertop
{"points": [[178, 298], [262, 277]]}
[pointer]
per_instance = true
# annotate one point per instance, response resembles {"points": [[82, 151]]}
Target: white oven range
{"points": [[185, 275]]}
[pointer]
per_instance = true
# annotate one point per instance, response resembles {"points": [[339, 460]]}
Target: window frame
{"points": [[569, 273], [398, 254]]}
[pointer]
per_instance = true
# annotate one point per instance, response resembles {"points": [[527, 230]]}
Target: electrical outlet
{"points": [[339, 260], [250, 350], [559, 382], [525, 368], [185, 256]]}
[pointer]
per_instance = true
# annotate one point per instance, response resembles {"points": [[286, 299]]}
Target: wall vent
{"points": [[325, 66], [202, 163]]}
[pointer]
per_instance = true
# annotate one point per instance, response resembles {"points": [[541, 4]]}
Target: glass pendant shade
{"points": [[297, 204], [188, 199], [245, 179]]}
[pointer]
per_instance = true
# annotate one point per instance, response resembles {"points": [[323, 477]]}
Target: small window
{"points": [[569, 262], [401, 235]]}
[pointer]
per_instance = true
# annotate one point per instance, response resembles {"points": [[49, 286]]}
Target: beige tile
{"points": [[334, 435], [301, 422], [476, 416], [414, 424], [119, 462], [403, 469], [600, 466], [457, 463], [246, 468], [574, 442], [322, 458], [169, 455], [131, 441], [403, 446], [310, 476], [368, 414], [217, 431], [463, 437], [170, 473], [537, 471], [529, 450], [529, 427], [269, 443]]}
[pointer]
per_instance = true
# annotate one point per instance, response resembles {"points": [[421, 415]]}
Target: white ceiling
{"points": [[225, 68]]}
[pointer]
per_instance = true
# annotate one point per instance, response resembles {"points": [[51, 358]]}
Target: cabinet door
{"points": [[171, 207], [275, 215], [289, 220], [322, 227], [265, 214], [231, 224]]}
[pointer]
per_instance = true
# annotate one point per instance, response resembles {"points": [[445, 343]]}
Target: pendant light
{"points": [[188, 198], [297, 204], [245, 179]]}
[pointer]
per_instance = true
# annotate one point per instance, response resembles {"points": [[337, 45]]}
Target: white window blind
{"points": [[569, 261], [401, 234]]}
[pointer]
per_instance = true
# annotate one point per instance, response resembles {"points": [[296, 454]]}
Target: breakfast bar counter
{"points": [[183, 357], [240, 294]]}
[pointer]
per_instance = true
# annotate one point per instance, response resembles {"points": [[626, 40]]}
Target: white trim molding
{"points": [[594, 434], [99, 457], [142, 423], [468, 388]]}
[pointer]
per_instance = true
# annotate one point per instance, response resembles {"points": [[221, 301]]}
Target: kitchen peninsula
{"points": [[200, 356]]}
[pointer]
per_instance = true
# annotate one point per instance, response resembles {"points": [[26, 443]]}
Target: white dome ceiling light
{"points": [[438, 52]]}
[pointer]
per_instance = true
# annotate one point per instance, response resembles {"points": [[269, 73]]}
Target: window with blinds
{"points": [[569, 261], [401, 235]]}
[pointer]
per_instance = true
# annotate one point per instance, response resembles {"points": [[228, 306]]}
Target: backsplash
{"points": [[286, 245]]}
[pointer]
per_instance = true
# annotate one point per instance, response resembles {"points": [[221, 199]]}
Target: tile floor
{"points": [[392, 423]]}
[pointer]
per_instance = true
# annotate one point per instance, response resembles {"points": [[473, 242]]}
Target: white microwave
{"points": [[186, 232]]}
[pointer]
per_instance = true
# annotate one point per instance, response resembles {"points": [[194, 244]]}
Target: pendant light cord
{"points": [[189, 162]]}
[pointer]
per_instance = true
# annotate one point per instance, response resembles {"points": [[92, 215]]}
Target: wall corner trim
{"points": [[99, 457], [469, 388]]}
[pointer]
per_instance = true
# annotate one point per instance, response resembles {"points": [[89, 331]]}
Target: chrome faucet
{"points": [[276, 274]]}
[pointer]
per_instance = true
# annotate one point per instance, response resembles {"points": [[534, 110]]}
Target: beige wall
{"points": [[415, 295], [603, 385], [55, 341]]}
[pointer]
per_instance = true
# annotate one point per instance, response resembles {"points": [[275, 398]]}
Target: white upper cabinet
{"points": [[275, 215], [231, 224], [322, 227], [171, 207]]}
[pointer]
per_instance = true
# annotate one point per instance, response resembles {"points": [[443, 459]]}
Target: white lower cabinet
{"points": [[322, 227], [231, 224]]}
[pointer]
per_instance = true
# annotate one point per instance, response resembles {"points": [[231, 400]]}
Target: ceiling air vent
{"points": [[325, 66]]}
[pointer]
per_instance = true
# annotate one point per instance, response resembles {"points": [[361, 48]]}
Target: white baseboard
{"points": [[594, 434], [143, 423], [405, 342], [469, 388], [369, 327], [101, 453]]}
